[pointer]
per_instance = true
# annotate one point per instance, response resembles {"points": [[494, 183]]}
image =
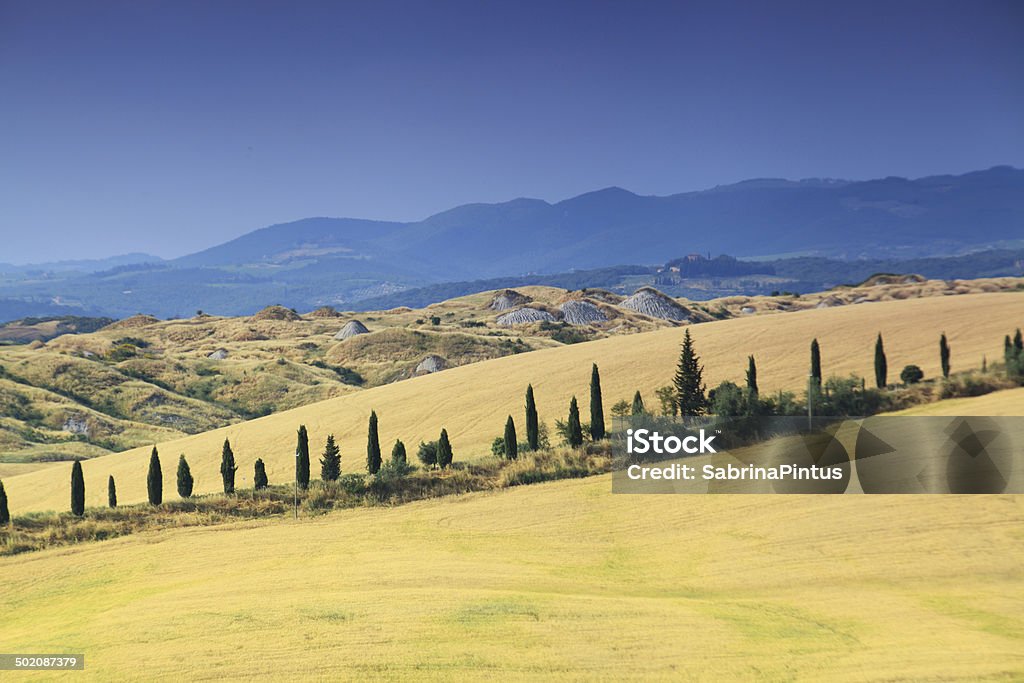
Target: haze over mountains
{"points": [[343, 260]]}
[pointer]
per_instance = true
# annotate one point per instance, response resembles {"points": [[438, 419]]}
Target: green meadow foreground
{"points": [[561, 580]]}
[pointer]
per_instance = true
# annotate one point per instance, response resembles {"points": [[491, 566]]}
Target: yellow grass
{"points": [[562, 581], [473, 401], [1009, 402]]}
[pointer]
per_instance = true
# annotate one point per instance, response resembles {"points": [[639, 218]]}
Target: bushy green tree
{"points": [[911, 374], [444, 450], [596, 405], [532, 421], [302, 458], [228, 467], [185, 481], [511, 444], [398, 459], [5, 513], [575, 430], [330, 461], [881, 364], [667, 397], [944, 355], [77, 490], [816, 363], [689, 380], [111, 492], [155, 479], [259, 475], [427, 453], [373, 455], [638, 404], [727, 400], [620, 408]]}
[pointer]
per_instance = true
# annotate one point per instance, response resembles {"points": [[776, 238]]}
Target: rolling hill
{"points": [[472, 401]]}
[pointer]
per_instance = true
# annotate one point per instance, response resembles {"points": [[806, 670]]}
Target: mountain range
{"points": [[344, 260]]}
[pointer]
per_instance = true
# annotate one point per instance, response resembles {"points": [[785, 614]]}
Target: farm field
{"points": [[563, 580], [471, 401]]}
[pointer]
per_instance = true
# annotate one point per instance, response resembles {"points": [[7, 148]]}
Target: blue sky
{"points": [[167, 127]]}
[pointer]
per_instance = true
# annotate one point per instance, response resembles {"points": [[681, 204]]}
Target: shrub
{"points": [[427, 453], [259, 477], [911, 374]]}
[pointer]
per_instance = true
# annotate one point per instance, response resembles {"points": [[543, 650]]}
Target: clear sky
{"points": [[169, 126]]}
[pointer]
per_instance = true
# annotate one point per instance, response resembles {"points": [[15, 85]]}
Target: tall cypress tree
{"points": [[77, 490], [398, 458], [944, 355], [511, 445], [596, 405], [532, 422], [155, 479], [752, 378], [330, 461], [689, 380], [816, 363], [5, 514], [881, 365], [302, 458], [185, 480], [444, 450], [1018, 342], [575, 435], [638, 404], [111, 492], [259, 475], [228, 467], [373, 456]]}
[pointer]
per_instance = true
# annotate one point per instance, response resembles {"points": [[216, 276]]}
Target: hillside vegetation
{"points": [[141, 380], [561, 580], [472, 401]]}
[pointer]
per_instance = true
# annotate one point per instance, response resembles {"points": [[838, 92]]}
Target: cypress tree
{"points": [[532, 423], [302, 458], [111, 492], [444, 450], [373, 456], [596, 405], [5, 514], [228, 467], [638, 404], [259, 475], [511, 445], [752, 378], [1018, 341], [575, 430], [816, 363], [398, 459], [881, 365], [77, 490], [689, 381], [155, 479], [185, 480], [944, 355], [330, 461]]}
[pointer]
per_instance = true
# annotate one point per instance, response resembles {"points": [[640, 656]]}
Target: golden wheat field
{"points": [[473, 401], [561, 581]]}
